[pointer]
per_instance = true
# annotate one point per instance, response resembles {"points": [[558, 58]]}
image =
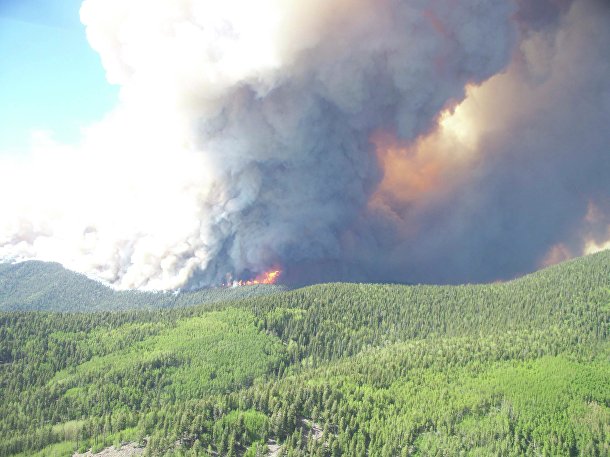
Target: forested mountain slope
{"points": [[47, 286], [520, 368]]}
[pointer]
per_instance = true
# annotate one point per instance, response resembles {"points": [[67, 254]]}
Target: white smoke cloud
{"points": [[242, 137]]}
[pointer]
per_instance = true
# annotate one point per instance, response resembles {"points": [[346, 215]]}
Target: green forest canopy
{"points": [[518, 368]]}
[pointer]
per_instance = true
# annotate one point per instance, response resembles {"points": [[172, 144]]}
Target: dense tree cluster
{"points": [[520, 368]]}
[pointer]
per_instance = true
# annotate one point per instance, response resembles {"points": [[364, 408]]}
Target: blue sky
{"points": [[50, 79]]}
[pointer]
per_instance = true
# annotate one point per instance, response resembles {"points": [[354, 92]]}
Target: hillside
{"points": [[520, 368], [46, 286]]}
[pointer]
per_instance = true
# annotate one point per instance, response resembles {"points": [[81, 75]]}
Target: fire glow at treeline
{"points": [[393, 140], [268, 277]]}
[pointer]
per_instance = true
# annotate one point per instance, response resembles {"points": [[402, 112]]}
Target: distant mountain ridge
{"points": [[47, 286]]}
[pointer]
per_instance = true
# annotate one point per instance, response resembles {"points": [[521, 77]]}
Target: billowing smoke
{"points": [[524, 163], [380, 140]]}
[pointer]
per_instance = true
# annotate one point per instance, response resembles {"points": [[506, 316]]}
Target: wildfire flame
{"points": [[268, 277]]}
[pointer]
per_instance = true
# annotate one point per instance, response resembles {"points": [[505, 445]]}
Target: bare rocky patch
{"points": [[307, 426], [127, 450]]}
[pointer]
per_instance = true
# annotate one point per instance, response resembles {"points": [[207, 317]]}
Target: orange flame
{"points": [[268, 277]]}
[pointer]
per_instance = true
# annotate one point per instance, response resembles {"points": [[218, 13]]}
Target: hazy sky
{"points": [[50, 78]]}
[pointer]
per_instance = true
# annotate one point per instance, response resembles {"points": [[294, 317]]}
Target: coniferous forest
{"points": [[506, 369]]}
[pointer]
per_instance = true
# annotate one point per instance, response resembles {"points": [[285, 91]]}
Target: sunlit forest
{"points": [[508, 369]]}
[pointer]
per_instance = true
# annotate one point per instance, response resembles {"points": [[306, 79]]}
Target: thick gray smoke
{"points": [[242, 140], [535, 189], [246, 139]]}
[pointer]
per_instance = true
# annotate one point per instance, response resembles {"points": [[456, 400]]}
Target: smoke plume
{"points": [[392, 140]]}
